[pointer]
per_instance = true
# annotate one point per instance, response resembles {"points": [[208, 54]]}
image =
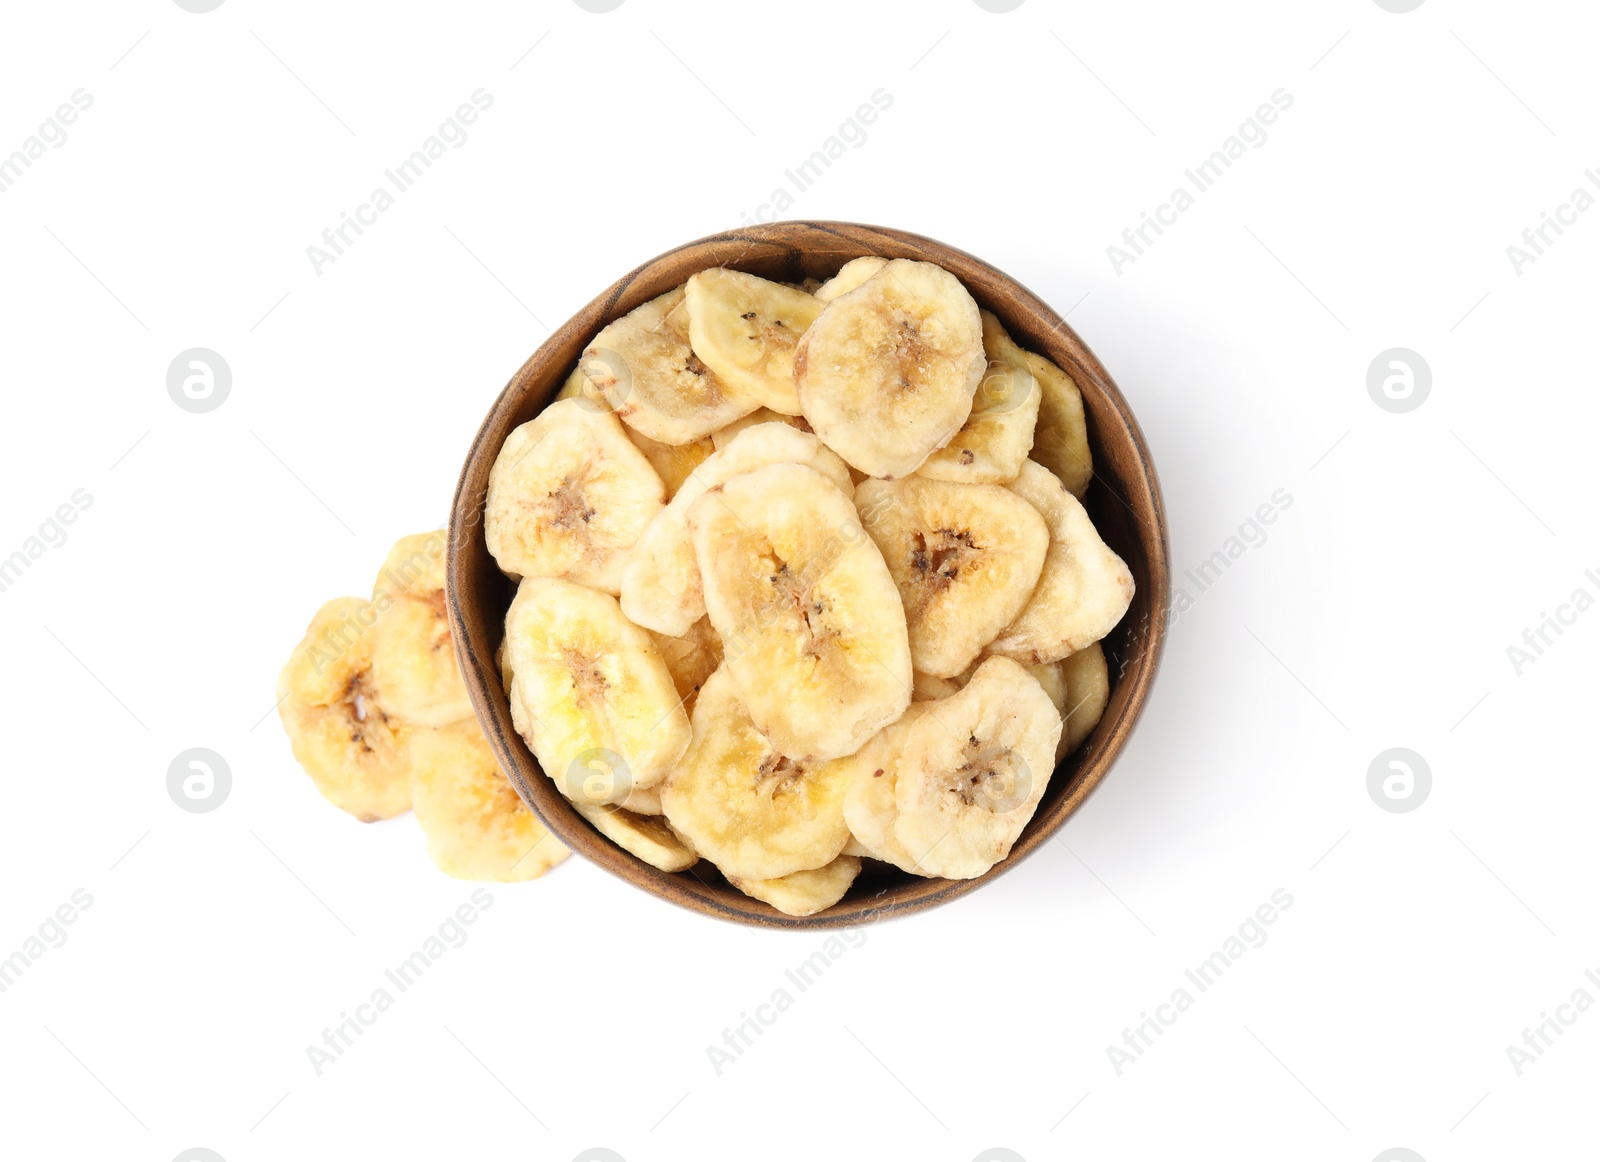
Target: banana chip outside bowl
{"points": [[1124, 500]]}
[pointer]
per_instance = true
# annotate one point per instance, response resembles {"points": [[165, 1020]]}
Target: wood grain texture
{"points": [[1124, 500]]}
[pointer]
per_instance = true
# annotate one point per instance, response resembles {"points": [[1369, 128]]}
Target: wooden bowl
{"points": [[1123, 499]]}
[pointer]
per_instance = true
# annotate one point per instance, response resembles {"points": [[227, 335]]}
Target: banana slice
{"points": [[355, 750], [477, 826], [577, 386], [645, 368], [661, 587], [672, 462], [413, 655], [650, 838], [972, 771], [851, 275], [805, 893], [1051, 679], [811, 624], [993, 443], [745, 330], [723, 437], [690, 660], [743, 805], [1078, 686], [590, 693], [1049, 675], [966, 558], [568, 496], [869, 800], [887, 372], [1061, 438], [1087, 684], [1085, 588], [644, 800], [927, 688]]}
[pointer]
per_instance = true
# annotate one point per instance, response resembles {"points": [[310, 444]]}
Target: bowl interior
{"points": [[1123, 500]]}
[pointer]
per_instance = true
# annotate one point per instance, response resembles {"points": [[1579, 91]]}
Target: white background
{"points": [[1418, 547]]}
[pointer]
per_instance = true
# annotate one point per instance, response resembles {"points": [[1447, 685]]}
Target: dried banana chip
{"points": [[887, 372]]}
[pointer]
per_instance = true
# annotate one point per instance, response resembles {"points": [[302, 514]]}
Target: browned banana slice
{"points": [[1061, 437], [568, 496], [645, 367], [477, 826], [1084, 588], [356, 751], [413, 654], [811, 625], [966, 558], [887, 372]]}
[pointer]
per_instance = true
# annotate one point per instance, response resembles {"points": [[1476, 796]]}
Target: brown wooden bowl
{"points": [[1124, 500]]}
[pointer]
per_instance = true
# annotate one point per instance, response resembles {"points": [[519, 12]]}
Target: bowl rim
{"points": [[1036, 327]]}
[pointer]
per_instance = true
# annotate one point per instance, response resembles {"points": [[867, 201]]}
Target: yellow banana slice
{"points": [[1087, 684], [1050, 679], [690, 660], [644, 800], [1079, 687], [645, 368], [413, 654], [672, 462], [992, 445], [741, 804], [355, 750], [966, 558], [1061, 437], [590, 693], [927, 688], [723, 437], [810, 621], [851, 275], [577, 386], [745, 329], [805, 893], [972, 771], [647, 837], [869, 799], [477, 826], [887, 372], [1084, 589], [568, 496], [661, 587]]}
